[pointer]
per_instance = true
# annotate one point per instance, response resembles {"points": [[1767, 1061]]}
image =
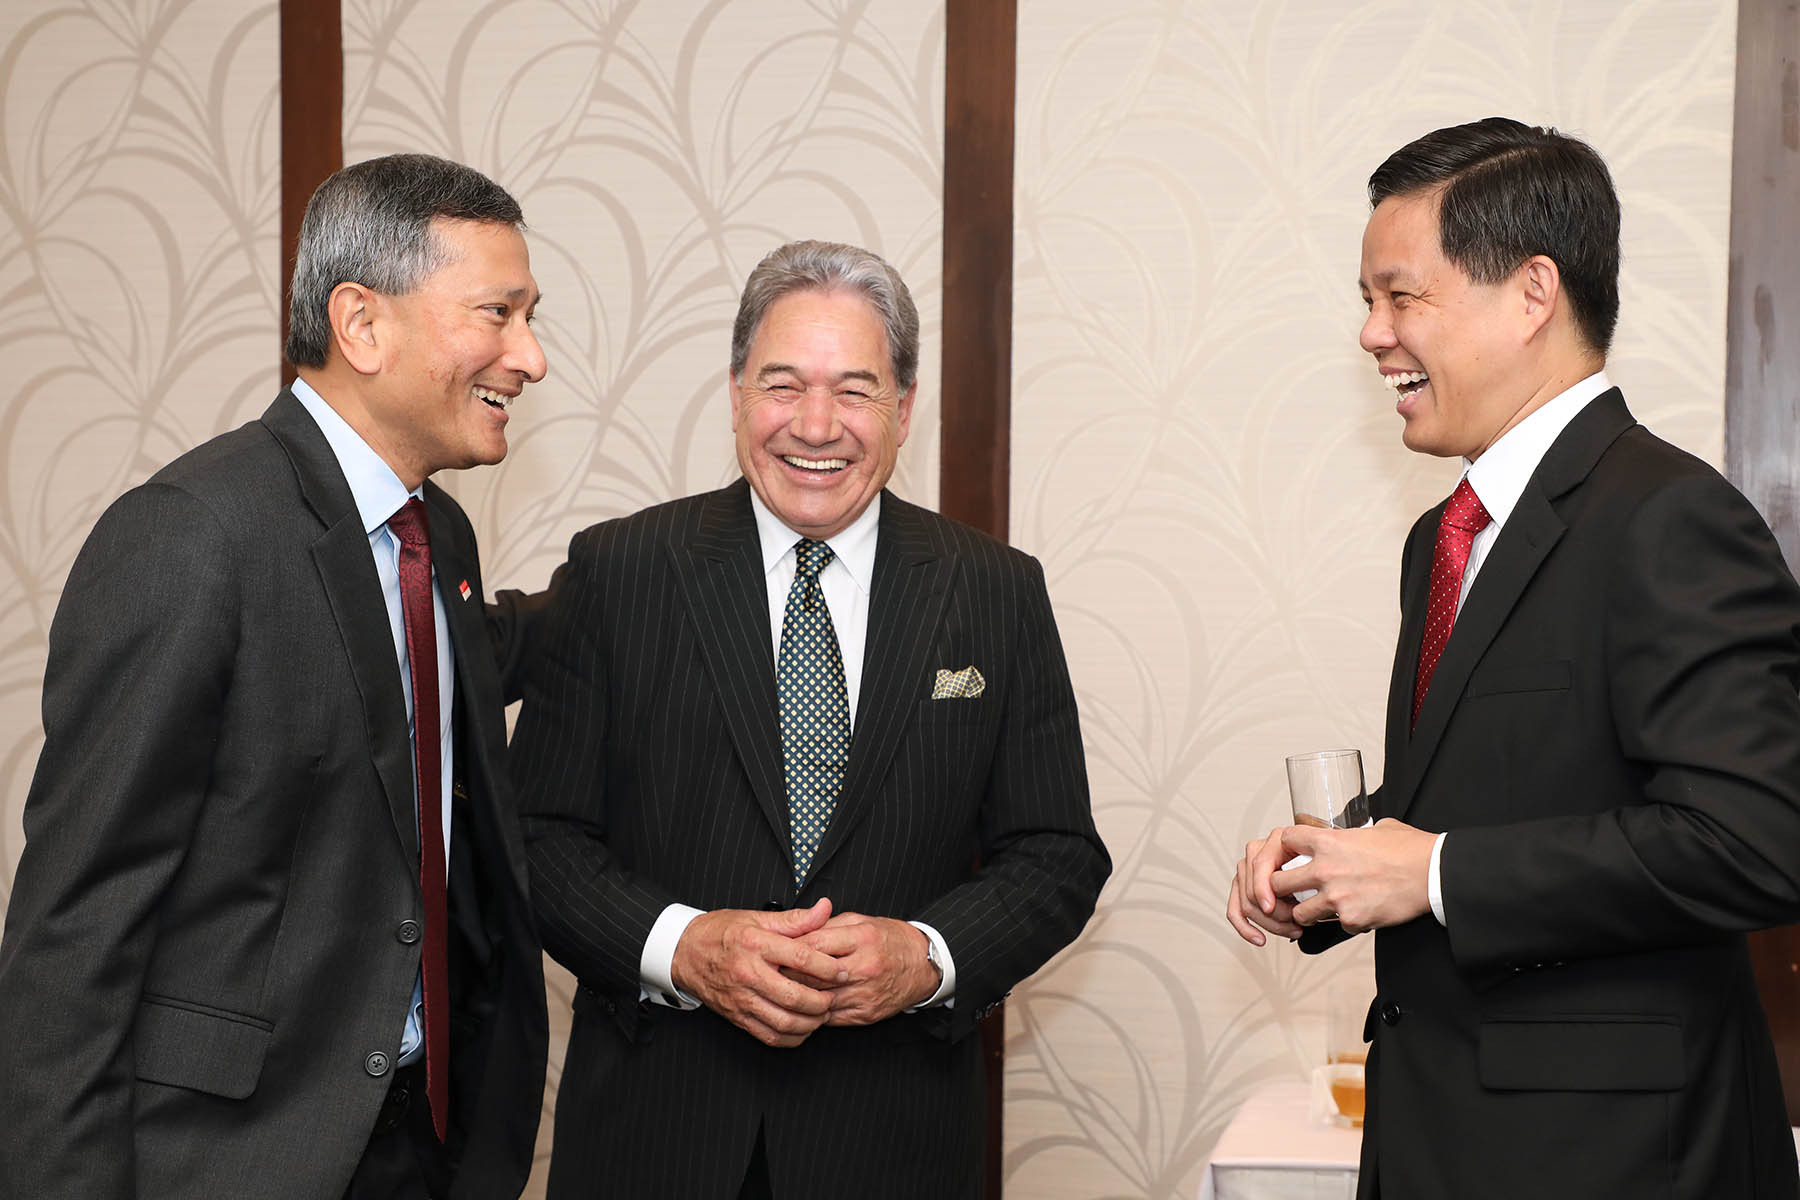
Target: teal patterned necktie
{"points": [[815, 709]]}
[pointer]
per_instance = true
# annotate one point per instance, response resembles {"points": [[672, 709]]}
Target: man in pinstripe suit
{"points": [[783, 948]]}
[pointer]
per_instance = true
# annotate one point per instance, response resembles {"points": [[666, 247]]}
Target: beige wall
{"points": [[139, 227], [1201, 457], [1214, 477]]}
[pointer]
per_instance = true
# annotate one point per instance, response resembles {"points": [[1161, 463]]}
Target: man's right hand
{"points": [[732, 960]]}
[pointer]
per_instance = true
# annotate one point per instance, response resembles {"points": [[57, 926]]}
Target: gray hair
{"points": [[826, 267], [370, 223]]}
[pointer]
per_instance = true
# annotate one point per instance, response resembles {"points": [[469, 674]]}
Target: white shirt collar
{"points": [[377, 491], [854, 546], [1499, 476]]}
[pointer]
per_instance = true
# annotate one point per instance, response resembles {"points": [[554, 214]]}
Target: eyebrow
{"points": [[776, 368]]}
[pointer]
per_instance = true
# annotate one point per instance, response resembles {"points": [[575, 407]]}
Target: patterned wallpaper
{"points": [[139, 249], [1214, 478], [1201, 456]]}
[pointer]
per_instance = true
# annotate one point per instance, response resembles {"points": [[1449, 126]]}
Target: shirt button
{"points": [[376, 1064], [408, 932]]}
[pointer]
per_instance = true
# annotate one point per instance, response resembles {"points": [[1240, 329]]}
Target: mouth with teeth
{"points": [[816, 466], [1406, 384], [499, 401]]}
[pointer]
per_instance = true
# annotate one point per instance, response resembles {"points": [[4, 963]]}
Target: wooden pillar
{"points": [[980, 67], [1762, 371], [312, 122]]}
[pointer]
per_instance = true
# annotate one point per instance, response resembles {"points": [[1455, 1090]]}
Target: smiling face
{"points": [[1449, 347], [818, 416], [455, 353]]}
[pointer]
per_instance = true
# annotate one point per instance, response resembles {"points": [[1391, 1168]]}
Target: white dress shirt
{"points": [[379, 494], [1498, 479], [845, 581]]}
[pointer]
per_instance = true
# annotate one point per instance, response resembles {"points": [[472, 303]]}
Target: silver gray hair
{"points": [[370, 223], [827, 267]]}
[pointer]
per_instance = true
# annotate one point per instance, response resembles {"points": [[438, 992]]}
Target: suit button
{"points": [[376, 1064], [1391, 1013], [772, 906], [408, 933]]}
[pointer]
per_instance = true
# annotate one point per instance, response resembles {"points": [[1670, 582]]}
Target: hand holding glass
{"points": [[1326, 788]]}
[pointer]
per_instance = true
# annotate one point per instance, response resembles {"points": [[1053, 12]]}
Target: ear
{"points": [[354, 310], [905, 413], [1541, 286], [737, 397]]}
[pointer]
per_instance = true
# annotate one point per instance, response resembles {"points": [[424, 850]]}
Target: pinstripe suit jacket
{"points": [[648, 754]]}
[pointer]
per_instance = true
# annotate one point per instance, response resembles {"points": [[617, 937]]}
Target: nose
{"points": [[1377, 330], [526, 355], [815, 419]]}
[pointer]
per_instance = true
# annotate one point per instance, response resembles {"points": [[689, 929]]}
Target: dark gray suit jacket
{"points": [[1612, 740], [649, 765], [212, 939]]}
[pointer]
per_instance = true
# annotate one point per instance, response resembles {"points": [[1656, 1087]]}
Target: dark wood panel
{"points": [[312, 121], [975, 393], [1762, 370]]}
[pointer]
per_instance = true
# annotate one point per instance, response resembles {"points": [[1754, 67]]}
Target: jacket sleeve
{"points": [[140, 663], [593, 914]]}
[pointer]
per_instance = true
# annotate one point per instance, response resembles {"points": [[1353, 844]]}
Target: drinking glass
{"points": [[1326, 788]]}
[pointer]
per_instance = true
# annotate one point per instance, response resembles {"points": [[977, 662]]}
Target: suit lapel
{"points": [[1531, 532], [1415, 589], [347, 574], [906, 601], [454, 561], [719, 571]]}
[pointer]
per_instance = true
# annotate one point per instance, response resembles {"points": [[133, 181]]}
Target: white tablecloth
{"points": [[1274, 1150]]}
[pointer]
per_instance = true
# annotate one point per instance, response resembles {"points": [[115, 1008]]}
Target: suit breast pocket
{"points": [[1516, 678], [946, 752]]}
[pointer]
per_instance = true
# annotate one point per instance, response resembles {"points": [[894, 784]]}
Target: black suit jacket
{"points": [[649, 764], [1612, 740], [207, 953]]}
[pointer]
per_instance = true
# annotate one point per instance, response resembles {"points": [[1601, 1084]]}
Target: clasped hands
{"points": [[1367, 878], [780, 975]]}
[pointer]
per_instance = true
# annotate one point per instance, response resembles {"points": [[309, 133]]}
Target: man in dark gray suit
{"points": [[803, 789], [228, 968]]}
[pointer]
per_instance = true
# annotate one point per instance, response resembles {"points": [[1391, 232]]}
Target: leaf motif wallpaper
{"points": [[139, 285], [1202, 457]]}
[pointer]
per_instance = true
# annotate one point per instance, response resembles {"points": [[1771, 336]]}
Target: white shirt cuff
{"points": [[656, 967], [1434, 881], [946, 993]]}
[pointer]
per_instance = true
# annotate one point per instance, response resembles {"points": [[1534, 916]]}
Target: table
{"points": [[1274, 1150]]}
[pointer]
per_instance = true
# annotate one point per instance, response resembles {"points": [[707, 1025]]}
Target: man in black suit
{"points": [[228, 969], [1593, 739], [803, 790]]}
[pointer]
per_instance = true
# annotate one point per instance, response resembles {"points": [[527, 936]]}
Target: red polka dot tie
{"points": [[1463, 519], [410, 526]]}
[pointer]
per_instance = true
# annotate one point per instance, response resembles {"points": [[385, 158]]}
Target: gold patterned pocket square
{"points": [[965, 684]]}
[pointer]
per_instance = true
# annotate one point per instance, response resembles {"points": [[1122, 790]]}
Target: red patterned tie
{"points": [[1463, 519], [421, 652]]}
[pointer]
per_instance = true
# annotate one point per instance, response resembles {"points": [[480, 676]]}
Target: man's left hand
{"points": [[1368, 878], [885, 958]]}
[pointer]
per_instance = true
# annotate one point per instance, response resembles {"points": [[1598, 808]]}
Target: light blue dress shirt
{"points": [[379, 494]]}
